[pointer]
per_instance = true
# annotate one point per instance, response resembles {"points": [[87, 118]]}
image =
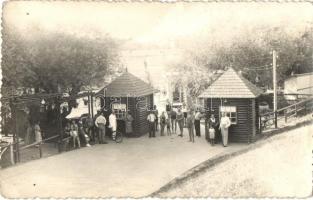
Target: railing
{"points": [[3, 149], [15, 152], [270, 119], [39, 144]]}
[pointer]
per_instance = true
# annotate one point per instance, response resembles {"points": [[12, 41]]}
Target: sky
{"points": [[153, 23], [150, 22]]}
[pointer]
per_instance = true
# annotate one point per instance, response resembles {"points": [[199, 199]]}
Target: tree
{"points": [[250, 52], [56, 62], [195, 81]]}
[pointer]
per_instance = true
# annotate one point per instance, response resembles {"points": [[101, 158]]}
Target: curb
{"points": [[202, 167]]}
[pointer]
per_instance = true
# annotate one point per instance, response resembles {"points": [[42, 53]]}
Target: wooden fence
{"points": [[270, 119], [15, 152]]}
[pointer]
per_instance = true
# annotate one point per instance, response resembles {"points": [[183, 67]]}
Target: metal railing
{"points": [[270, 119]]}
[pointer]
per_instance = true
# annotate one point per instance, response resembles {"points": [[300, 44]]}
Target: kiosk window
{"points": [[120, 110], [231, 112]]}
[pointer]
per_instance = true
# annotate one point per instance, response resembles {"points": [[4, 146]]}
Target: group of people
{"points": [[93, 130], [190, 119], [96, 129]]}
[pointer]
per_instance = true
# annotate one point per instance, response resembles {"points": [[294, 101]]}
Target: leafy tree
{"points": [[56, 62], [251, 54]]}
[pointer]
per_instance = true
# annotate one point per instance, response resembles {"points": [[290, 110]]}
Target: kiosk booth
{"points": [[239, 99], [128, 93]]}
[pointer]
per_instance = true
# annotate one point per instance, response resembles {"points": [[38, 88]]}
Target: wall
{"points": [[242, 131]]}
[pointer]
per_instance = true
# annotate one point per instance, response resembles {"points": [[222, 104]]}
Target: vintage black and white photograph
{"points": [[156, 99]]}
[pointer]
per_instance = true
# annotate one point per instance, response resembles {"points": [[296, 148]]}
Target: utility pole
{"points": [[275, 86]]}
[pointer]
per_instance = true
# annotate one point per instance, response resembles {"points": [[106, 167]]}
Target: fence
{"points": [[271, 119], [15, 151]]}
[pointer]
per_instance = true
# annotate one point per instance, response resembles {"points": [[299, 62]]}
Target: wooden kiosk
{"points": [[238, 98], [129, 93]]}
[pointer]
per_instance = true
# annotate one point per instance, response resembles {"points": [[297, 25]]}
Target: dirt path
{"points": [[137, 167], [282, 167]]}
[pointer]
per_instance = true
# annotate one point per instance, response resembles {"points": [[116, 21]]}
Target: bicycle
{"points": [[118, 137]]}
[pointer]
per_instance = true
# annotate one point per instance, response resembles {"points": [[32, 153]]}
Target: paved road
{"points": [[281, 167], [136, 167]]}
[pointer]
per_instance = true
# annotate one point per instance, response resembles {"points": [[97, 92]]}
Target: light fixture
{"points": [[42, 106]]}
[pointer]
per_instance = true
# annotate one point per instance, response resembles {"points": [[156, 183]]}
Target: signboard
{"points": [[228, 109], [117, 106]]}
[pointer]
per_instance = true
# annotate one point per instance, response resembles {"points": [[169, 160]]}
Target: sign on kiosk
{"points": [[117, 106]]}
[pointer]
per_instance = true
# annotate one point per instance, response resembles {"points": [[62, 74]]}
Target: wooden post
{"points": [[305, 108], [253, 121], [275, 115], [296, 112], [59, 125], [285, 114], [15, 133], [89, 101], [12, 154], [274, 80], [91, 108], [40, 150], [260, 123]]}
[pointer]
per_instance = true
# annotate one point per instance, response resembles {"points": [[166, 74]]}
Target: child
{"points": [[162, 122], [212, 135], [74, 134], [168, 125]]}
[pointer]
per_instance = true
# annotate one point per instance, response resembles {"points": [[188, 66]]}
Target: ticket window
{"points": [[230, 111], [120, 110]]}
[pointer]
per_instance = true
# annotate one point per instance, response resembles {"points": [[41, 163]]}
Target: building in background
{"points": [[298, 86]]}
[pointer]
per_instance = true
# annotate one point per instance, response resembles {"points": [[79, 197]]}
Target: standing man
{"points": [[151, 120], [198, 117], [180, 122], [224, 125], [113, 124], [173, 120], [156, 113], [190, 126], [100, 124], [185, 113]]}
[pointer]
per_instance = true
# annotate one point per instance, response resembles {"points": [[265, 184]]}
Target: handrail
{"points": [[36, 143], [2, 150], [298, 103], [274, 116], [290, 106]]}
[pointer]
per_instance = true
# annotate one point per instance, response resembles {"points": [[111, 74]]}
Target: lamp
{"points": [[42, 105]]}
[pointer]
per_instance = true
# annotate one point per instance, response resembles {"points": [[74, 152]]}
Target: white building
{"points": [[298, 86]]}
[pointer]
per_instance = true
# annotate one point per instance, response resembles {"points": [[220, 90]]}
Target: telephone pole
{"points": [[275, 86]]}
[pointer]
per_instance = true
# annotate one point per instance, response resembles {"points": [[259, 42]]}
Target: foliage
{"points": [[55, 62], [189, 75], [251, 53]]}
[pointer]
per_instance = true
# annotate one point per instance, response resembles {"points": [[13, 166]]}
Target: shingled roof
{"points": [[128, 85], [231, 85]]}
